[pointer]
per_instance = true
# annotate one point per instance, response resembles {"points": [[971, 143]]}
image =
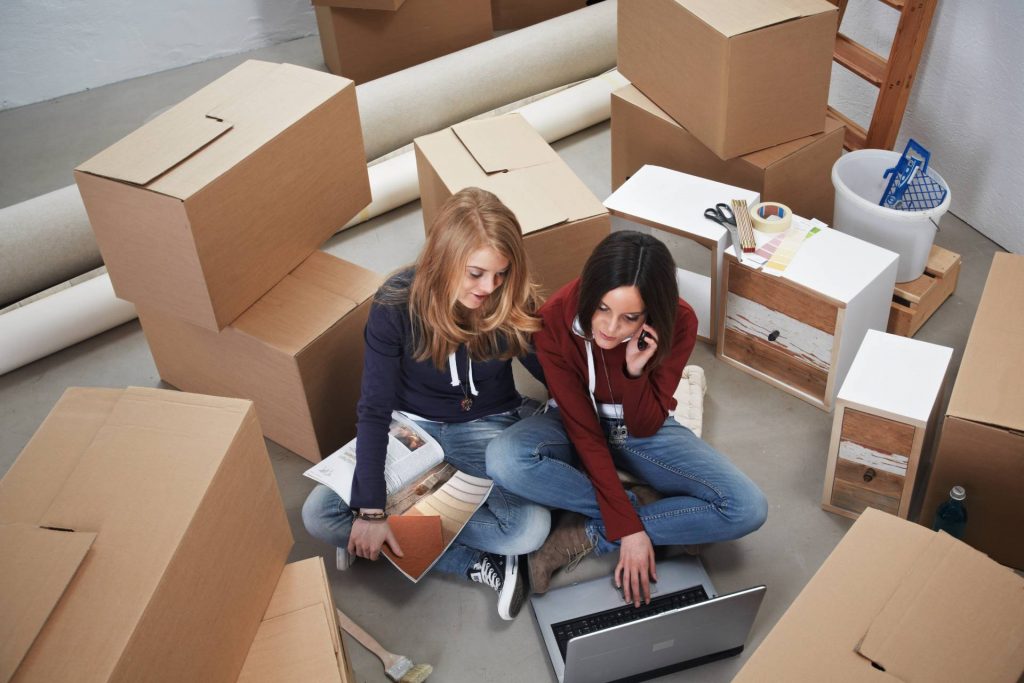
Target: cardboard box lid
{"points": [[988, 387], [742, 16], [899, 592], [956, 616], [226, 121], [504, 143], [36, 565], [321, 290]]}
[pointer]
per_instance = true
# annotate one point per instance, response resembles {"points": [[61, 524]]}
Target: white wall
{"points": [[967, 106], [50, 48]]}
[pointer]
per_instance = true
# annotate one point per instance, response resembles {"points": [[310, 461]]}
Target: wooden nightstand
{"points": [[675, 202], [800, 331], [885, 419]]}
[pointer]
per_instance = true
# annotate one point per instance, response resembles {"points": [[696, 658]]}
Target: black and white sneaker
{"points": [[504, 574]]}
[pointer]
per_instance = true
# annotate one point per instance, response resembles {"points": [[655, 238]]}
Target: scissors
{"points": [[721, 214]]}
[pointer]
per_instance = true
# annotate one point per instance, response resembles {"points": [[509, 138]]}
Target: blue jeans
{"points": [[707, 499], [505, 525]]}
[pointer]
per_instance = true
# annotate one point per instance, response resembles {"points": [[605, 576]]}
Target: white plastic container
{"points": [[857, 177]]}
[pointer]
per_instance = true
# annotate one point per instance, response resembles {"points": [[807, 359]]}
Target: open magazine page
{"points": [[411, 453]]}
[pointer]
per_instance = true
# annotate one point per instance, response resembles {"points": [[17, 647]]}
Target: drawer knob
{"points": [[869, 474], [773, 335]]}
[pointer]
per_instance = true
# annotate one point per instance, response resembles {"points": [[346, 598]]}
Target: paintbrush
{"points": [[397, 667]]}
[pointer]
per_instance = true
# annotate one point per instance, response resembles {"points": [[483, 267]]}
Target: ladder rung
{"points": [[860, 60], [895, 4], [855, 137]]}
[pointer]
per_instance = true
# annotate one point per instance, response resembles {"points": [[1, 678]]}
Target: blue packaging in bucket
{"points": [[859, 181]]}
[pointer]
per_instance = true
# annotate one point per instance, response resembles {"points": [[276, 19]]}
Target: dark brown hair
{"points": [[628, 258]]}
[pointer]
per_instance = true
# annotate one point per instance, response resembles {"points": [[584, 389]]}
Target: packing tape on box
{"points": [[771, 217], [82, 311]]}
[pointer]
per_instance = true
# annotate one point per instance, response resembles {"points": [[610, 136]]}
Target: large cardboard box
{"points": [[741, 75], [797, 174], [142, 535], [297, 353], [561, 219], [298, 639], [202, 210], [897, 602], [982, 443], [509, 15], [364, 44]]}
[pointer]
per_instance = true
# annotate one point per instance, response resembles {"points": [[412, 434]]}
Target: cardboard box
{"points": [[982, 443], [205, 208], [391, 5], [897, 602], [509, 15], [561, 219], [364, 44], [142, 535], [297, 353], [797, 174], [299, 639], [740, 76]]}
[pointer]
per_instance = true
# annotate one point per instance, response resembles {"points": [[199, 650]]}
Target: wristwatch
{"points": [[372, 516]]}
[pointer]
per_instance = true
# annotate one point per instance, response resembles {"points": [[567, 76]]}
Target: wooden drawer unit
{"points": [[800, 331], [884, 417]]}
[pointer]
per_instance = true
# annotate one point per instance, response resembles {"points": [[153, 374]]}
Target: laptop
{"points": [[592, 636]]}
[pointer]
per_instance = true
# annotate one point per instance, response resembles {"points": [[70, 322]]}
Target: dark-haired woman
{"points": [[613, 348]]}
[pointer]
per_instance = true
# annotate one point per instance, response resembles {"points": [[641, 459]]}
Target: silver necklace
{"points": [[619, 432]]}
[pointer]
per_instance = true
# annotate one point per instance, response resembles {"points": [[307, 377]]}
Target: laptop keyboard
{"points": [[599, 621]]}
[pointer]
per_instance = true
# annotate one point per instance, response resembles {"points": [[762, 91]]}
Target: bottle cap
{"points": [[957, 493]]}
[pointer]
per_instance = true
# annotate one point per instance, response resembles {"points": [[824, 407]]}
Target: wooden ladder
{"points": [[893, 77]]}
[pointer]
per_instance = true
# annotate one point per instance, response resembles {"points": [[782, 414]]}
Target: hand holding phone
{"points": [[641, 343]]}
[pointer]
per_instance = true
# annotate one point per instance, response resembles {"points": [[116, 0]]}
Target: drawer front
{"points": [[871, 465], [779, 330]]}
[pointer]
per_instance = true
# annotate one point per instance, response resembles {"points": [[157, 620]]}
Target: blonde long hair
{"points": [[471, 219]]}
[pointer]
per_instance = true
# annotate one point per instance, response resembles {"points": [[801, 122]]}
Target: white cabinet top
{"points": [[897, 375]]}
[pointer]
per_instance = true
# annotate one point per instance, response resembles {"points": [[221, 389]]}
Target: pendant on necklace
{"points": [[618, 435], [466, 404]]}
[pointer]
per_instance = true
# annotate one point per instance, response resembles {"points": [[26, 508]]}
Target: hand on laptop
{"points": [[636, 569]]}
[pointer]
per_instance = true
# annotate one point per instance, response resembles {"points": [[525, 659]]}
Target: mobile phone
{"points": [[641, 343]]}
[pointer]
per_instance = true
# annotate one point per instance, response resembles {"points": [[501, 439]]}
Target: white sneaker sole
{"points": [[507, 596], [342, 559]]}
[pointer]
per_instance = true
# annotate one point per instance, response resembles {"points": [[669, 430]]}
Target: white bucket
{"points": [[857, 177]]}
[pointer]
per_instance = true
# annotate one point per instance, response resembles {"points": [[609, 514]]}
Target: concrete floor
{"points": [[778, 440]]}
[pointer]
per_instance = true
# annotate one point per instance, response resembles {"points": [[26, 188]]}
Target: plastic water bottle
{"points": [[951, 516]]}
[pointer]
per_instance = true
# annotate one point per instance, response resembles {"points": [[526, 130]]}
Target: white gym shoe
{"points": [[503, 574]]}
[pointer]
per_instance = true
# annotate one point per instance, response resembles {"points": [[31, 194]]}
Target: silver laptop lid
{"points": [[666, 642], [597, 595]]}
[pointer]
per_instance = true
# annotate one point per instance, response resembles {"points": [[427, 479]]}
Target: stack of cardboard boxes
{"points": [[209, 219], [736, 92], [509, 15], [367, 39]]}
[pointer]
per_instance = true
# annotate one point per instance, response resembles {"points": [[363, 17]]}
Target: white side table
{"points": [[885, 418], [675, 202], [800, 330]]}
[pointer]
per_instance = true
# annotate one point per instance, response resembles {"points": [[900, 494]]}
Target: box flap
{"points": [[296, 646], [152, 150], [957, 616], [742, 16], [546, 195], [504, 143], [227, 121], [988, 387], [36, 565], [322, 290]]}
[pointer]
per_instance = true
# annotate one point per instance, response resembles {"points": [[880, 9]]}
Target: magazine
{"points": [[429, 501]]}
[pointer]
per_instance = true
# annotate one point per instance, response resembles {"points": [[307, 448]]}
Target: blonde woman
{"points": [[439, 342]]}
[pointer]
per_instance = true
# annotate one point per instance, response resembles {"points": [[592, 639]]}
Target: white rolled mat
{"points": [[444, 91], [77, 313], [46, 241], [60, 320]]}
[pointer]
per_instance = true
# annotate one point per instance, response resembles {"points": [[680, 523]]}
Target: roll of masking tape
{"points": [[771, 217]]}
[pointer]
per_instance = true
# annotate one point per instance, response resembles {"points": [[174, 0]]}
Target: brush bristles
{"points": [[417, 674]]}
